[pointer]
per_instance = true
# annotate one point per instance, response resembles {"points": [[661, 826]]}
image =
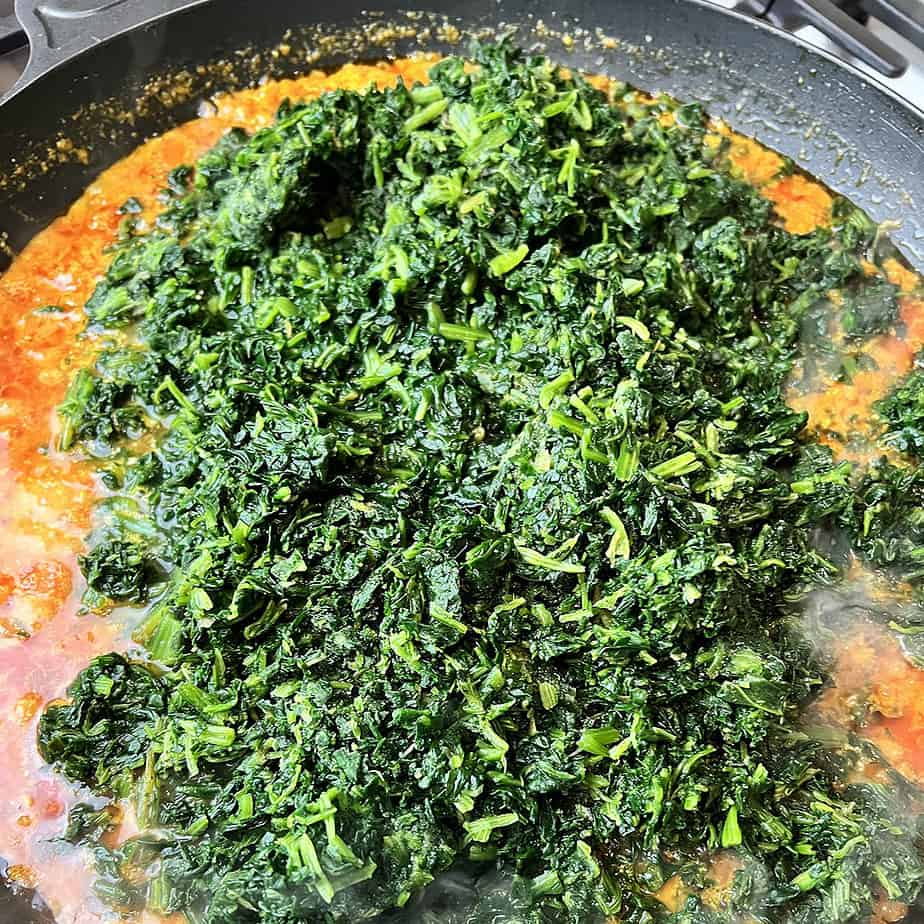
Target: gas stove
{"points": [[884, 38]]}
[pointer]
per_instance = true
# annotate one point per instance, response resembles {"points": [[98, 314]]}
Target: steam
{"points": [[465, 894]]}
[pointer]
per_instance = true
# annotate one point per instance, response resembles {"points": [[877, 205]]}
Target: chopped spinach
{"points": [[902, 410], [485, 518]]}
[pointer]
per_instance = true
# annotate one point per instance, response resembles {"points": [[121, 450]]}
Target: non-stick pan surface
{"points": [[116, 82]]}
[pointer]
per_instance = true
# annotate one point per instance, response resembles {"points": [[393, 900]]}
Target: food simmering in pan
{"points": [[494, 470]]}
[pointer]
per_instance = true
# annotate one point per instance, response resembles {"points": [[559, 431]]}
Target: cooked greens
{"points": [[902, 410], [474, 523]]}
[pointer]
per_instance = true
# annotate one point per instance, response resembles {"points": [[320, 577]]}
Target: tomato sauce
{"points": [[46, 497]]}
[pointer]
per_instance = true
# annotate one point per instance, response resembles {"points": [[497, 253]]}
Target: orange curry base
{"points": [[46, 498], [842, 413], [878, 694]]}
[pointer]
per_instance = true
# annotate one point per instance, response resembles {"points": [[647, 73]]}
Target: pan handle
{"points": [[844, 23], [57, 30]]}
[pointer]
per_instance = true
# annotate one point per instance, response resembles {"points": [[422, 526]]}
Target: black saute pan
{"points": [[105, 74]]}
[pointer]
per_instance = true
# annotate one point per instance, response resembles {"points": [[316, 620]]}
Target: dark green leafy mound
{"points": [[485, 513]]}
